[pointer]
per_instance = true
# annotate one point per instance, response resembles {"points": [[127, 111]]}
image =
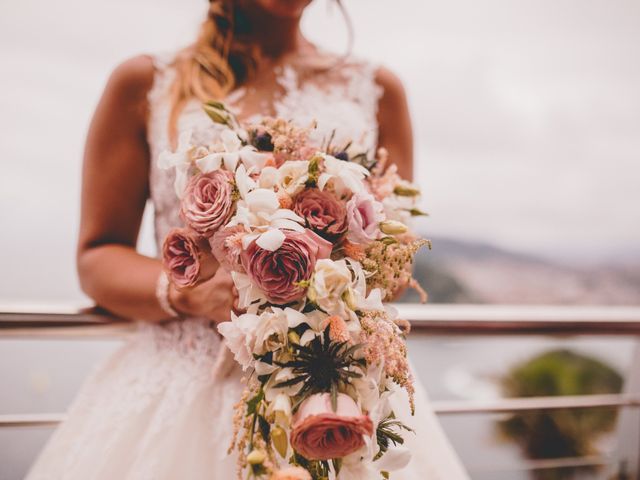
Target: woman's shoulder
{"points": [[391, 85], [133, 77]]}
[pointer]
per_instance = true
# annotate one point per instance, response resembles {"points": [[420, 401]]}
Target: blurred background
{"points": [[527, 125]]}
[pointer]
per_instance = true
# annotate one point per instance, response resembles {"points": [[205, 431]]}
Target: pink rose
{"points": [[319, 433], [187, 258], [364, 213], [323, 212], [291, 473], [226, 246], [207, 204], [278, 273]]}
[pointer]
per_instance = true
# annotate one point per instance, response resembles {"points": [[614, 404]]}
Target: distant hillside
{"points": [[456, 271]]}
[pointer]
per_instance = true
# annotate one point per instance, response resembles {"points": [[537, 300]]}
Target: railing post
{"points": [[626, 458]]}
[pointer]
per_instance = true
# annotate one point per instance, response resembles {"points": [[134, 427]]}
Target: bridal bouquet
{"points": [[316, 240]]}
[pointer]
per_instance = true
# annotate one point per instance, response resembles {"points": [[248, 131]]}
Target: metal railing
{"points": [[55, 322]]}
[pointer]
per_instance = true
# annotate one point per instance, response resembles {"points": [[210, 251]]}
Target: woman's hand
{"points": [[213, 299]]}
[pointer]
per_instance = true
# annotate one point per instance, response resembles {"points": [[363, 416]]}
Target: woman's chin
{"points": [[283, 8]]}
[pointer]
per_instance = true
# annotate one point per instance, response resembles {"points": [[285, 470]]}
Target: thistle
{"points": [[322, 366]]}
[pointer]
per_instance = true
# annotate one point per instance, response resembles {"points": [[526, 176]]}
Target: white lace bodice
{"points": [[343, 98]]}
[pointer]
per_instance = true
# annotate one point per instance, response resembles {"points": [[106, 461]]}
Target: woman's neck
{"points": [[277, 36]]}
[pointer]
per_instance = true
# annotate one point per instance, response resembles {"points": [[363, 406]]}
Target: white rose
{"points": [[345, 176], [239, 336], [271, 331], [293, 175], [329, 282]]}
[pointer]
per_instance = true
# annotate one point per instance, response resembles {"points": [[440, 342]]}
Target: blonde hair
{"points": [[215, 63]]}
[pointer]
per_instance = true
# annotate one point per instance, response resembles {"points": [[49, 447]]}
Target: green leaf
{"points": [[252, 404]]}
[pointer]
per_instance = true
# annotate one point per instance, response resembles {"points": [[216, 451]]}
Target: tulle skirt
{"points": [[161, 408]]}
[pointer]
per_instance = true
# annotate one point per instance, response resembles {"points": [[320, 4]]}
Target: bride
{"points": [[161, 407]]}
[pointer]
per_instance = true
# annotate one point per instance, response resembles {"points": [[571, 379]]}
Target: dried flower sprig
{"points": [[389, 265], [384, 344]]}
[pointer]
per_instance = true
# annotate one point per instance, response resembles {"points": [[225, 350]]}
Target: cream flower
{"points": [[271, 331], [331, 279], [239, 336], [230, 153], [344, 176], [293, 175]]}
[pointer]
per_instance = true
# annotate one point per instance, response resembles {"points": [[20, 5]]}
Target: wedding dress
{"points": [[161, 407]]}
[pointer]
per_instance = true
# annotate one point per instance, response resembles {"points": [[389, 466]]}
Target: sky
{"points": [[526, 117]]}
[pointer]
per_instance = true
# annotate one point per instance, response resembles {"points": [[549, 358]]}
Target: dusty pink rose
{"points": [[207, 204], [226, 245], [187, 258], [291, 473], [319, 433], [324, 213], [278, 273], [364, 213]]}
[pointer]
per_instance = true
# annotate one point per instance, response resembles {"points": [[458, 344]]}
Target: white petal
{"points": [[394, 459], [252, 158], [294, 317], [262, 199], [264, 368], [271, 240], [230, 160], [182, 178], [288, 214], [210, 163], [268, 177], [230, 140], [244, 182], [323, 179], [308, 336], [287, 225], [247, 239], [247, 292]]}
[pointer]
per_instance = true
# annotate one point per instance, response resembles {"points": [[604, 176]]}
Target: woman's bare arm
{"points": [[395, 131], [114, 192]]}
